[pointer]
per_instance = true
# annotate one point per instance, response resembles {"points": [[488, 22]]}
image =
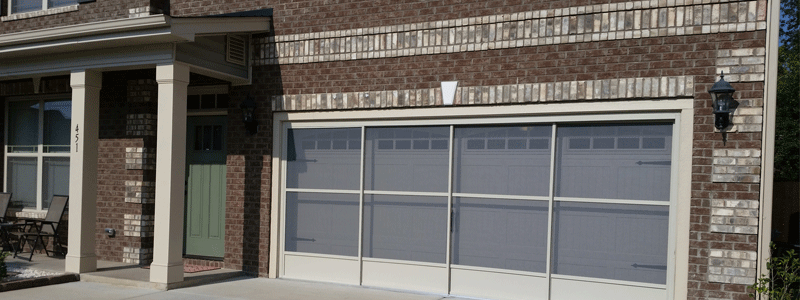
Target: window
{"points": [[37, 150], [207, 101], [22, 6]]}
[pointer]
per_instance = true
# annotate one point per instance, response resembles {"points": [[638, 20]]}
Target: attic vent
{"points": [[236, 50]]}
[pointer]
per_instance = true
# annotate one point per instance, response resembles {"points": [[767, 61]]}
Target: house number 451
{"points": [[77, 134]]}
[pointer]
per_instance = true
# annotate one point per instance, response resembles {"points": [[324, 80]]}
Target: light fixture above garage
{"points": [[722, 100]]}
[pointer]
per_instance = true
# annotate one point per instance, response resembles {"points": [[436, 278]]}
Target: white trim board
{"points": [[87, 29], [184, 28]]}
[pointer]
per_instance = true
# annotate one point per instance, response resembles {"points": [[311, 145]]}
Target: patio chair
{"points": [[5, 224], [37, 229], [5, 200]]}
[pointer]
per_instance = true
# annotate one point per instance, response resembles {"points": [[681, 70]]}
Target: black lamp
{"points": [[722, 98], [248, 107]]}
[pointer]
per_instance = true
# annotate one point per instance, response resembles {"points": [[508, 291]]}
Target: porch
{"points": [[122, 274], [115, 79]]}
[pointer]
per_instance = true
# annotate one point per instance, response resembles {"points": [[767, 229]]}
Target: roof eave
{"points": [[146, 30]]}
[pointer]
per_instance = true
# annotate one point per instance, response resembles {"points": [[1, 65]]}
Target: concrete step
{"points": [[195, 279]]}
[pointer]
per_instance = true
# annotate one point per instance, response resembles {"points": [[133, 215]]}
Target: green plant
{"points": [[3, 268], [783, 281]]}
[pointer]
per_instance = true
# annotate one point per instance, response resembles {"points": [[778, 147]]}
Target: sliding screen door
{"points": [[501, 211]]}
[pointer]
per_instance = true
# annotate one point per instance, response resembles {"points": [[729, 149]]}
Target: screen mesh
{"points": [[405, 228], [503, 234], [407, 159], [614, 161], [324, 158], [322, 223], [612, 241], [505, 160]]}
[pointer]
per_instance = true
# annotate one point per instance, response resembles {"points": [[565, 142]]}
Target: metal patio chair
{"points": [[5, 201], [5, 225], [37, 229]]}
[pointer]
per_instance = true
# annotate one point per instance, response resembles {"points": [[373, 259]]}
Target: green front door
{"points": [[206, 153]]}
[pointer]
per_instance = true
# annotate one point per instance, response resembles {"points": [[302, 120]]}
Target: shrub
{"points": [[783, 281], [3, 268]]}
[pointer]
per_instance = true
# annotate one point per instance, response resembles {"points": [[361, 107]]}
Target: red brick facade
{"points": [[118, 101], [247, 213], [648, 57], [249, 163], [293, 17], [86, 13]]}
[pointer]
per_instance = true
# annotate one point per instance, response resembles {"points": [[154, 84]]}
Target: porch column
{"points": [[167, 266], [81, 256]]}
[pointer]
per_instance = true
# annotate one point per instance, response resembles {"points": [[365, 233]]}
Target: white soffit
{"points": [[190, 27], [123, 33]]}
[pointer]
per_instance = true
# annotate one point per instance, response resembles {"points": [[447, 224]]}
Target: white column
{"points": [[167, 266], [81, 256]]}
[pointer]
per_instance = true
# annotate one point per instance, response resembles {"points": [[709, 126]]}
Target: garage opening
{"points": [[496, 210]]}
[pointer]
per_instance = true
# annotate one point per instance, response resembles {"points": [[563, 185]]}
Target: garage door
{"points": [[504, 210]]}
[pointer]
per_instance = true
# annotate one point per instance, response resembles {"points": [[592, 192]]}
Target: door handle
{"points": [[452, 220]]}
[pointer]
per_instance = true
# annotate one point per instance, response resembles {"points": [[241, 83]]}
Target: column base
{"points": [[166, 273], [80, 263]]}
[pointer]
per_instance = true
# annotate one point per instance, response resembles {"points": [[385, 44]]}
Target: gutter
{"points": [[83, 30], [124, 32]]}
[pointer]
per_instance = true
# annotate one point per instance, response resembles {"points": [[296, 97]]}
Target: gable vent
{"points": [[235, 52]]}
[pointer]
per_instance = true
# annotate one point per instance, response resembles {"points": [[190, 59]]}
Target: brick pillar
{"points": [[140, 193]]}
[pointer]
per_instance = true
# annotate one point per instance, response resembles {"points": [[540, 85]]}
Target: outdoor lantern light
{"points": [[248, 107], [722, 98]]}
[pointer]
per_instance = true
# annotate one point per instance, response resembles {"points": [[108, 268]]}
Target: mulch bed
{"points": [[37, 282]]}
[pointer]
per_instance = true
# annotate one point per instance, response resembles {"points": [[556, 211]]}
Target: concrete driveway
{"points": [[238, 288]]}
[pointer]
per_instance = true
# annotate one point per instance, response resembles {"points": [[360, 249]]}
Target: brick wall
{"points": [[127, 175], [101, 10], [293, 17], [126, 167], [396, 53], [634, 58], [186, 8], [308, 72], [247, 211]]}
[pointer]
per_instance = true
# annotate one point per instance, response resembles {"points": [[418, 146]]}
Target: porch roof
{"points": [[128, 44], [153, 29]]}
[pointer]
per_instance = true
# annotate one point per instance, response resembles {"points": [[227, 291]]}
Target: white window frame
{"points": [[44, 7], [208, 90], [680, 111], [40, 154]]}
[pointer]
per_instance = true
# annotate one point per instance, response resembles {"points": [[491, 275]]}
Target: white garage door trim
{"points": [[679, 111]]}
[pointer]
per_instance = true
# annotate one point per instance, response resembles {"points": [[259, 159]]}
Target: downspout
{"points": [[768, 138]]}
